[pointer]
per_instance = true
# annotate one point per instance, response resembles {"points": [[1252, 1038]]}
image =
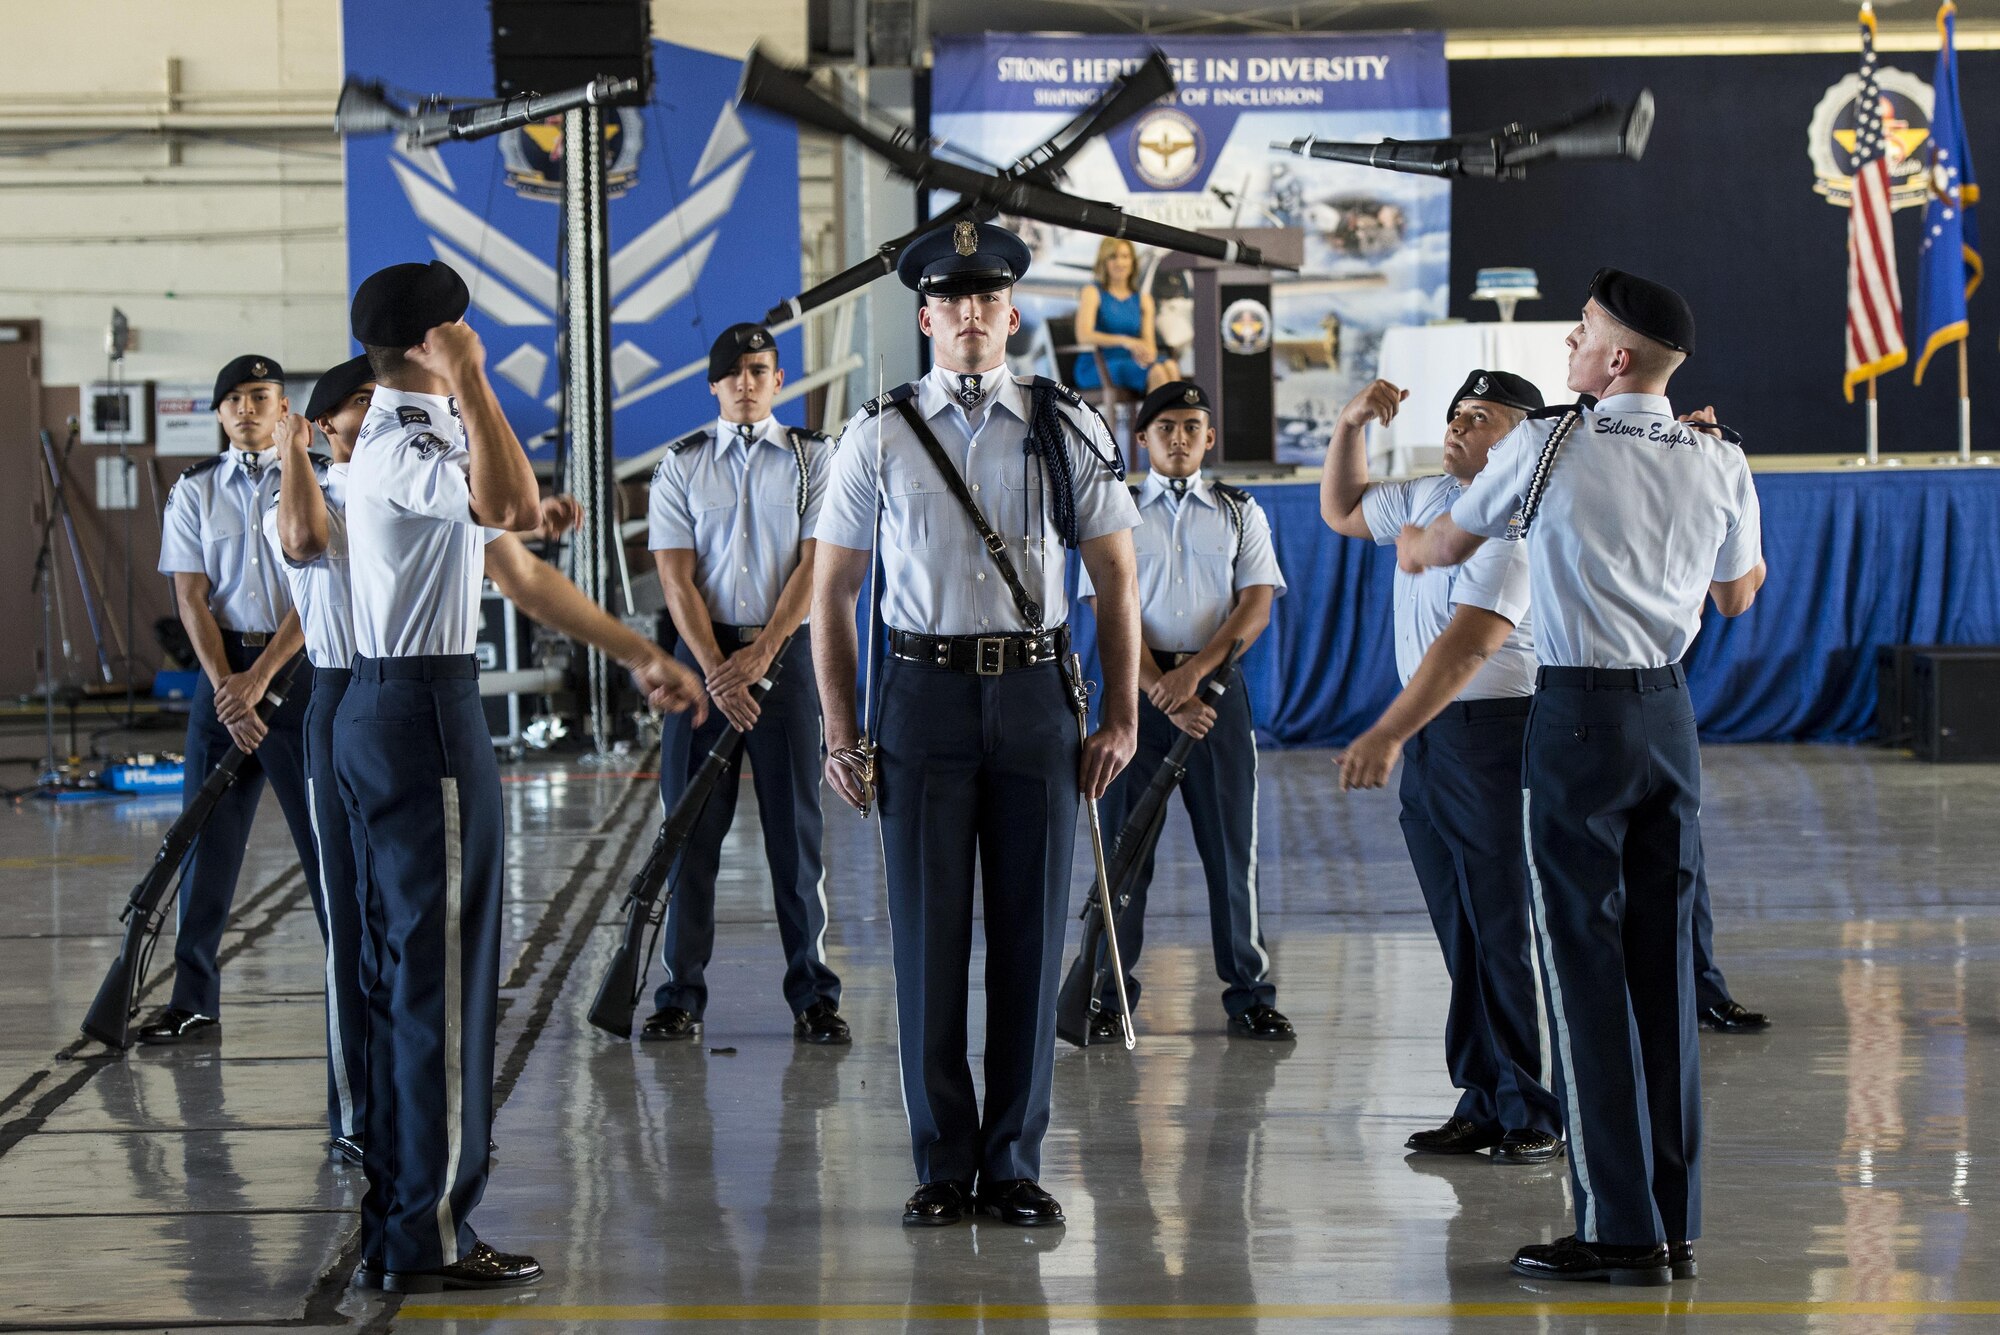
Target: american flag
{"points": [[1874, 293]]}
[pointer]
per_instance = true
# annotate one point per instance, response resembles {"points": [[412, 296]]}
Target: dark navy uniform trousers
{"points": [[784, 754], [340, 922], [1461, 819], [1613, 779], [208, 887], [977, 769], [1710, 987], [1220, 793], [422, 790]]}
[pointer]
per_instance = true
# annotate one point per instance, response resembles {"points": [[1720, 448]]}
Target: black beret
{"points": [[337, 384], [244, 370], [397, 306], [1645, 307], [963, 259], [1173, 394], [1502, 387], [734, 342]]}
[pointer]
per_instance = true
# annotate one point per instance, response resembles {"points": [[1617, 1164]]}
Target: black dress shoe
{"points": [[1263, 1023], [1527, 1147], [344, 1148], [174, 1025], [1569, 1259], [1019, 1201], [1456, 1136], [1731, 1018], [670, 1024], [1105, 1027], [936, 1204], [483, 1269], [368, 1275], [821, 1025], [1680, 1258]]}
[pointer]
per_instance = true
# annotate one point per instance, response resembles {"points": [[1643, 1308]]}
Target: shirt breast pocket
{"points": [[777, 489], [912, 512], [706, 497], [222, 541]]}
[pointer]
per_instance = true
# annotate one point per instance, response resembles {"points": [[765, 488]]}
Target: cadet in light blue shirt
{"points": [[1466, 653], [731, 520], [1634, 520], [1207, 577], [238, 615], [978, 754]]}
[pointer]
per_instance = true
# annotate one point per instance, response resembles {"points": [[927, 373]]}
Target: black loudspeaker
{"points": [[545, 46], [503, 635], [1895, 702], [1957, 698]]}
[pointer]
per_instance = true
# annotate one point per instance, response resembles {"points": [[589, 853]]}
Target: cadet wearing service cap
{"points": [[436, 472], [730, 520], [238, 615], [982, 481], [1633, 520], [1465, 650], [1208, 575]]}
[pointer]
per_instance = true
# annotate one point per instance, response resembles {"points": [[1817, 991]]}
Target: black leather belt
{"points": [[249, 639], [423, 667], [980, 655], [738, 635], [1506, 706], [1614, 679], [1169, 659]]}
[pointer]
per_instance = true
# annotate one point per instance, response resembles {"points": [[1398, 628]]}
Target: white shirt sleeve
{"points": [[1743, 540], [819, 458], [424, 475], [1258, 561], [1495, 496], [1084, 588], [669, 524], [1386, 507], [1104, 503], [180, 531], [847, 514], [1495, 578]]}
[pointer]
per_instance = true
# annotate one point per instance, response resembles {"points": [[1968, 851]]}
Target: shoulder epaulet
{"points": [[320, 462], [698, 436], [1586, 403], [1236, 503], [1083, 411], [194, 469], [805, 435], [1234, 493], [875, 405], [1075, 399]]}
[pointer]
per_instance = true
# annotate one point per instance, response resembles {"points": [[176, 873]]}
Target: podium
{"points": [[1234, 334]]}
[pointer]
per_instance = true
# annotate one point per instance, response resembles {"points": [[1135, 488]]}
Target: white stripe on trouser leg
{"points": [[1586, 1211], [336, 1056], [454, 1065], [1256, 934]]}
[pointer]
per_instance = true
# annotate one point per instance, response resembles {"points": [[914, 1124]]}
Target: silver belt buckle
{"points": [[748, 634], [254, 638], [993, 651]]}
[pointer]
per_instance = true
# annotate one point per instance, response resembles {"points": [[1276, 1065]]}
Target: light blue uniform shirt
{"points": [[1639, 514], [416, 556], [320, 588], [1496, 578], [214, 526], [938, 577], [736, 505], [1193, 563]]}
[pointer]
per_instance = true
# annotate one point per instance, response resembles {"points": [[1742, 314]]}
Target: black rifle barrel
{"points": [[109, 1019], [1148, 816], [645, 904], [481, 120]]}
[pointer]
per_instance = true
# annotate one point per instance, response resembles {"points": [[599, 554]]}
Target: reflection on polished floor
{"points": [[1853, 1172]]}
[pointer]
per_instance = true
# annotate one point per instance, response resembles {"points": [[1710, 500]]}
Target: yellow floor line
{"points": [[529, 1311]]}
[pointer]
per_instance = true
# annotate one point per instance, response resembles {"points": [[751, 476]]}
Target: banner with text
{"points": [[1377, 245], [704, 218]]}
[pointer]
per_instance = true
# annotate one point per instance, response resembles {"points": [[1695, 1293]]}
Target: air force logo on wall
{"points": [[1167, 148], [1906, 124], [1246, 327], [513, 286]]}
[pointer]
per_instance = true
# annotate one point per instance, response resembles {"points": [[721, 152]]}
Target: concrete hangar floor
{"points": [[751, 1184]]}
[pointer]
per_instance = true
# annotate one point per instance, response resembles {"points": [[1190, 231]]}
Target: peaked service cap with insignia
{"points": [[246, 370], [733, 343], [336, 385], [1502, 387], [395, 307], [963, 259], [1645, 307], [1173, 394]]}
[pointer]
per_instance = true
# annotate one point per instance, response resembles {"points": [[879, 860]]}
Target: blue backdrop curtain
{"points": [[1857, 560]]}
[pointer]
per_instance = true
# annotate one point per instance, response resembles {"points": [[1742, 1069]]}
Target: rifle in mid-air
{"points": [[1083, 985], [645, 897], [109, 1019]]}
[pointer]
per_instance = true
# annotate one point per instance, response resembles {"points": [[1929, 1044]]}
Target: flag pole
{"points": [[1964, 407], [1874, 444]]}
